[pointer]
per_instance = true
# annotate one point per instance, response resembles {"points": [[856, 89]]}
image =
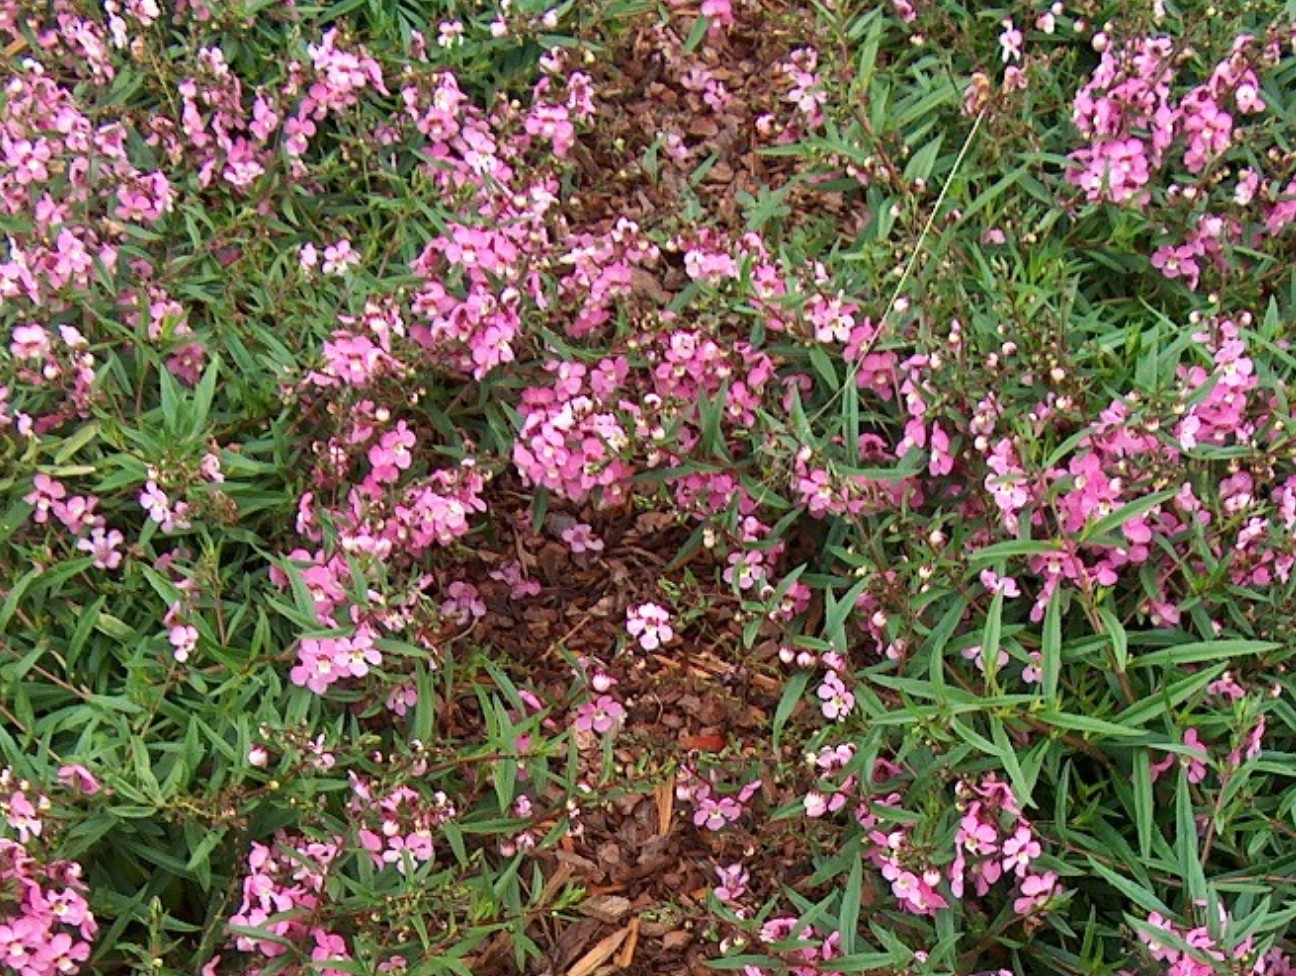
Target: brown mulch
{"points": [[645, 868]]}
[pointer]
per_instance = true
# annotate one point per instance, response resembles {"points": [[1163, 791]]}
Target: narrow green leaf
{"points": [[1116, 519], [1143, 801], [1114, 631], [792, 692], [852, 897], [1199, 651], [1051, 646]]}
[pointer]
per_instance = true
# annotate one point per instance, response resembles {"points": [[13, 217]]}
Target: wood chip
{"points": [[626, 956], [665, 797], [603, 951]]}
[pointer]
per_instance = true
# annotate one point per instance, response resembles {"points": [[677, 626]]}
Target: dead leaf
{"points": [[706, 743], [645, 283], [605, 908], [676, 939]]}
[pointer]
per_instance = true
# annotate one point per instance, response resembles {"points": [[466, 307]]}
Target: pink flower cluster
{"points": [[712, 810], [46, 928], [77, 514], [570, 442], [324, 660], [400, 824], [814, 955], [45, 922], [993, 841], [286, 881], [836, 700], [807, 91], [389, 519], [825, 491], [1132, 120], [1205, 954]]}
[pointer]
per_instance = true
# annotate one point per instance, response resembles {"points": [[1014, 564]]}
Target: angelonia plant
{"points": [[781, 488]]}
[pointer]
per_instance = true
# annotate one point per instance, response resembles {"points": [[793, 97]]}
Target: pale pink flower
{"points": [[650, 624]]}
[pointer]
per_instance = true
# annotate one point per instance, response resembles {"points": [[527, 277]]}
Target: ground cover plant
{"points": [[738, 485]]}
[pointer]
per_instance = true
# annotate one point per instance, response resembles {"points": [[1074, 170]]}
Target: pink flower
{"points": [[23, 817], [80, 778], [581, 538], [391, 455], [1036, 890], [1010, 42], [816, 804], [339, 258], [464, 604], [837, 700], [1196, 762], [942, 462], [995, 583], [30, 342], [602, 715], [61, 955], [103, 546], [650, 624], [45, 494], [715, 814], [402, 698], [733, 882], [1019, 850], [719, 11], [183, 640]]}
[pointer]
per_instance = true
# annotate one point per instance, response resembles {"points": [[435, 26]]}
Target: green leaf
{"points": [[1199, 651], [990, 637], [1140, 896], [1158, 704], [852, 898], [824, 367], [1021, 785], [1089, 725], [792, 692], [1051, 646], [700, 26], [203, 395], [1190, 868], [1114, 631], [1123, 514], [1143, 802], [1003, 550], [933, 648]]}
